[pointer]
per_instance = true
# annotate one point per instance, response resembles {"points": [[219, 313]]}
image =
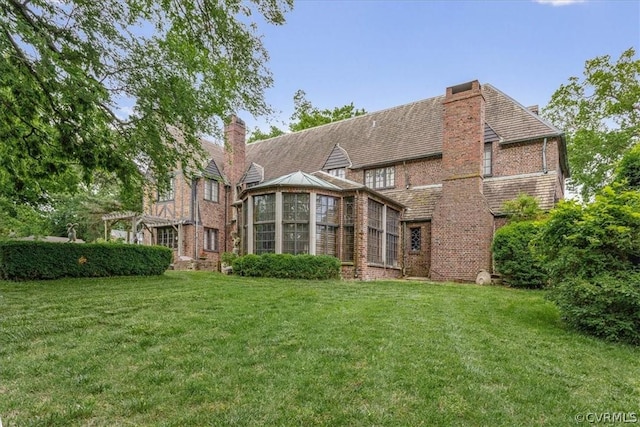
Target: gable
{"points": [[255, 173], [338, 158], [212, 171]]}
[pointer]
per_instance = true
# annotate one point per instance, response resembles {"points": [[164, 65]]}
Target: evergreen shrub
{"points": [[515, 258], [33, 260], [287, 266]]}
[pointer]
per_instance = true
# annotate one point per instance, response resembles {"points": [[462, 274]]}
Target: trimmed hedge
{"points": [[287, 266], [28, 260]]}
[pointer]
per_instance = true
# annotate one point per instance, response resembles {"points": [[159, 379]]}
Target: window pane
{"points": [[375, 232], [393, 236], [264, 237], [487, 163], [264, 208], [416, 239], [390, 177], [210, 239]]}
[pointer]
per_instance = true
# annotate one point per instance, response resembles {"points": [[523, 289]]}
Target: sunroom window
{"points": [[264, 224], [295, 223], [326, 225]]}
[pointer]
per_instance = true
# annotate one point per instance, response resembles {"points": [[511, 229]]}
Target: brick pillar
{"points": [[462, 224]]}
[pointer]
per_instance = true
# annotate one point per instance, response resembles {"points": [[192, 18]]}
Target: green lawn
{"points": [[192, 348]]}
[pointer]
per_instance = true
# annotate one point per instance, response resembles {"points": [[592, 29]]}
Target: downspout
{"points": [[226, 218], [356, 233], [544, 156]]}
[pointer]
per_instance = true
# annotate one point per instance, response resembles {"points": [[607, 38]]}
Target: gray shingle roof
{"points": [[420, 202], [541, 186], [405, 132]]}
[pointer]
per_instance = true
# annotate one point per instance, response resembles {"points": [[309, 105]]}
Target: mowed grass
{"points": [[195, 348]]}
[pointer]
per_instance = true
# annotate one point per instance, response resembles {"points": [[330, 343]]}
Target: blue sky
{"points": [[380, 54]]}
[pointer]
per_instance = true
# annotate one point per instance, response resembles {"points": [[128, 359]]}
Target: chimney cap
{"points": [[473, 85]]}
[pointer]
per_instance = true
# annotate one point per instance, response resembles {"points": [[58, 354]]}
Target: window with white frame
{"points": [[380, 178], [295, 223], [167, 192], [210, 239], [211, 189], [327, 225], [487, 162]]}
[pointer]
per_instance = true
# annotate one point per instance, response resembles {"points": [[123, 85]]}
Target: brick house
{"points": [[414, 190]]}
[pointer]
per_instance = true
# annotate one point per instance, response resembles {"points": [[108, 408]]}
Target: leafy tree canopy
{"points": [[306, 116], [601, 117], [67, 69]]}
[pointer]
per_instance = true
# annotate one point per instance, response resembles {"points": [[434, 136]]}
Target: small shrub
{"points": [[287, 266], [227, 258], [515, 258], [29, 260], [604, 306]]}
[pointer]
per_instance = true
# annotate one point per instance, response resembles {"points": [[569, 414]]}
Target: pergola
{"points": [[137, 220]]}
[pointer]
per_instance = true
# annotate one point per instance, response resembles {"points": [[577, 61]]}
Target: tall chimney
{"points": [[234, 150], [462, 224]]}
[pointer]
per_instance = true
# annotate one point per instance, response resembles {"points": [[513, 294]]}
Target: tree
{"points": [[67, 69], [307, 116], [628, 171], [258, 135], [601, 117]]}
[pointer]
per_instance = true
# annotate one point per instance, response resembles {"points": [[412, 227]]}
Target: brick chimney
{"points": [[234, 150], [462, 224]]}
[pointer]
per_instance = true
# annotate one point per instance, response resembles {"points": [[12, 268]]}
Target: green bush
{"points": [[604, 306], [287, 266], [584, 241], [514, 256], [28, 260]]}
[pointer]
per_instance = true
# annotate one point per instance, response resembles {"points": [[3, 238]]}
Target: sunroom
{"points": [[320, 214]]}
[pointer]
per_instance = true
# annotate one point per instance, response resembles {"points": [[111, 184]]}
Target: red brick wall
{"points": [[413, 173], [524, 157]]}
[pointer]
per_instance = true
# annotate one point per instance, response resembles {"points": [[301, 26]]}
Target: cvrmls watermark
{"points": [[607, 417]]}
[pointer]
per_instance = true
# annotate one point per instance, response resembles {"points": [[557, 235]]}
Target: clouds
{"points": [[559, 2]]}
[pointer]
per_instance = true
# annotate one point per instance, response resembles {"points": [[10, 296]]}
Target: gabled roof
{"points": [[405, 132]]}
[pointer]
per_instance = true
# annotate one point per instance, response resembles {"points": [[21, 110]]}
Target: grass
{"points": [[193, 348]]}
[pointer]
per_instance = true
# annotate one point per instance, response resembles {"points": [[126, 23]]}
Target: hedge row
{"points": [[287, 266], [27, 260]]}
